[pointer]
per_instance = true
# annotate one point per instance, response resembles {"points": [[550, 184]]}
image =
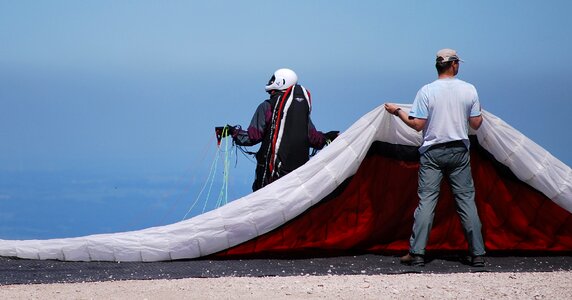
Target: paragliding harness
{"points": [[290, 110], [271, 164]]}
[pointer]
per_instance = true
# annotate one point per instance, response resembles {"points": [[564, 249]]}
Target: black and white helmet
{"points": [[281, 80]]}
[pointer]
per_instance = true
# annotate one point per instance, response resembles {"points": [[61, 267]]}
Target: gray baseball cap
{"points": [[447, 55]]}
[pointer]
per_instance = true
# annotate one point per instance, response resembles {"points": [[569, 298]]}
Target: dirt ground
{"points": [[482, 285]]}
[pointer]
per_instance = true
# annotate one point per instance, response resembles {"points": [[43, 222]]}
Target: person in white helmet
{"points": [[444, 110], [284, 127]]}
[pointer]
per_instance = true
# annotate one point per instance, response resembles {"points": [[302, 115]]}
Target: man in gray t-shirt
{"points": [[444, 110]]}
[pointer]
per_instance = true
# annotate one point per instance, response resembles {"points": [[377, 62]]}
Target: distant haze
{"points": [[134, 89]]}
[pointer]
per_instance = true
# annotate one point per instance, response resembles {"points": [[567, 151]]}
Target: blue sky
{"points": [[136, 87]]}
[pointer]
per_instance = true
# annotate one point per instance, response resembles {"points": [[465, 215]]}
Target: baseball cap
{"points": [[447, 55]]}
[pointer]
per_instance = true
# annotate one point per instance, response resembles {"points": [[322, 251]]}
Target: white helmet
{"points": [[281, 80]]}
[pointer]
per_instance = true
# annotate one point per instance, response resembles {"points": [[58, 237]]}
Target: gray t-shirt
{"points": [[446, 104]]}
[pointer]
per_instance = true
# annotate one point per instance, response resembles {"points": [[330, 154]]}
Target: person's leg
{"points": [[430, 177], [463, 189]]}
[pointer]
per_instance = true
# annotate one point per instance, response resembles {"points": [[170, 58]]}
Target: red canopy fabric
{"points": [[373, 212]]}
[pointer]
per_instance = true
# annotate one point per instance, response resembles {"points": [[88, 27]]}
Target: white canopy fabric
{"points": [[276, 204]]}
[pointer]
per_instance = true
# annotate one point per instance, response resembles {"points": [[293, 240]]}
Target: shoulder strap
{"points": [[308, 97]]}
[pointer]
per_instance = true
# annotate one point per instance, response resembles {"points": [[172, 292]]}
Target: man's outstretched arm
{"points": [[415, 123]]}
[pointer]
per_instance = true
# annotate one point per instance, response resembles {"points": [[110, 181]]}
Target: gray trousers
{"points": [[453, 162]]}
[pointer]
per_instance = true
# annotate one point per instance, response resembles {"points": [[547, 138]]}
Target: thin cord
{"points": [[201, 158], [211, 173], [223, 195]]}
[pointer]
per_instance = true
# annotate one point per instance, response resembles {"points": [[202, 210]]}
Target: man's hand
{"points": [[391, 108], [224, 131], [331, 135], [229, 130]]}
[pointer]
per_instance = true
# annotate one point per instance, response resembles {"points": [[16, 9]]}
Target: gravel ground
{"points": [[345, 277], [526, 285], [23, 271]]}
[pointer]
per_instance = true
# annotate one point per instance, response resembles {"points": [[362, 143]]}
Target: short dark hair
{"points": [[443, 66]]}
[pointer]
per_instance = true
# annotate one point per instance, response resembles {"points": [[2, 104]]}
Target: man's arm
{"points": [[316, 138], [255, 132], [475, 122], [415, 123]]}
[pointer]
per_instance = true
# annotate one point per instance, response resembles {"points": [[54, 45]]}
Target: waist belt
{"points": [[452, 144]]}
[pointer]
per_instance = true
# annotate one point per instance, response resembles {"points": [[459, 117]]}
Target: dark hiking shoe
{"points": [[478, 261], [412, 260]]}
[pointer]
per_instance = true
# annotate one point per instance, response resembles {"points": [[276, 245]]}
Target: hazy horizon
{"points": [[121, 93]]}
